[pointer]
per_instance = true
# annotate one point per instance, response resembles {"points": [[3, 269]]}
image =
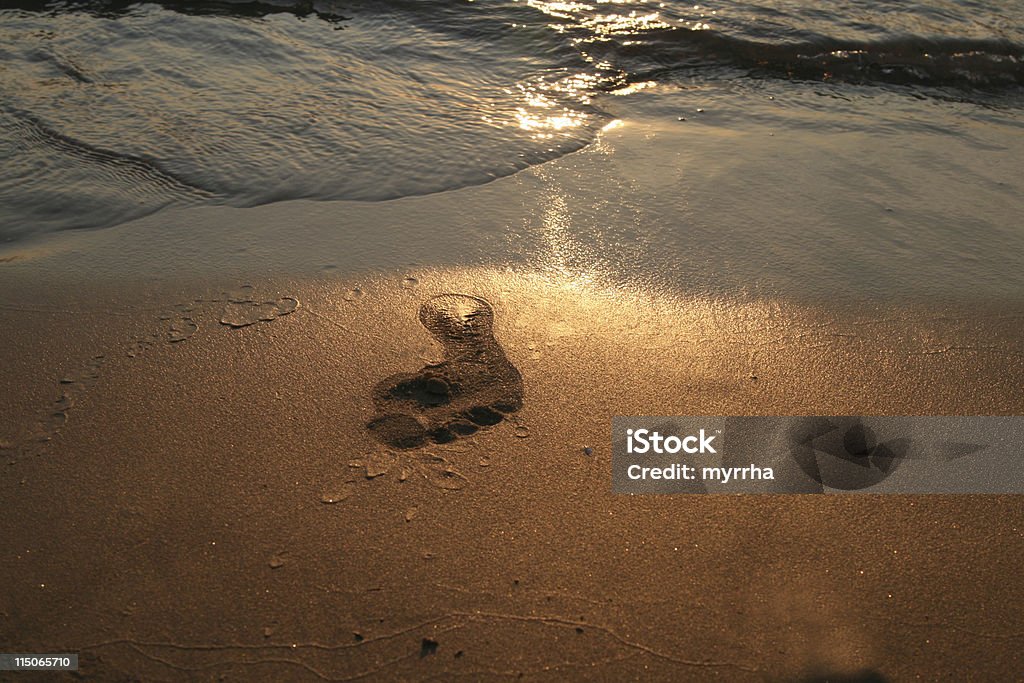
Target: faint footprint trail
{"points": [[243, 308], [474, 387], [433, 468], [239, 308]]}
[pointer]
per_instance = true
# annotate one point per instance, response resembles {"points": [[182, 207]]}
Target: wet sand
{"points": [[215, 506], [188, 496]]}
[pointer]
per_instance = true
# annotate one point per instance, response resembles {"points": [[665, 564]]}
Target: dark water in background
{"points": [[113, 110]]}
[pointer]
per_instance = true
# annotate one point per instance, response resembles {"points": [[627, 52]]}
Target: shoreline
{"points": [[192, 491], [703, 209]]}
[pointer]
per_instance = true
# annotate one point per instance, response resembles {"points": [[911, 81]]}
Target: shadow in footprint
{"points": [[475, 387]]}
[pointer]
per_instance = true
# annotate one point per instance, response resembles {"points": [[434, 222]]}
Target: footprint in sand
{"points": [[243, 308], [474, 387]]}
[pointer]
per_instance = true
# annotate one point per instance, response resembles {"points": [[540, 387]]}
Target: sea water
{"points": [[845, 137]]}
